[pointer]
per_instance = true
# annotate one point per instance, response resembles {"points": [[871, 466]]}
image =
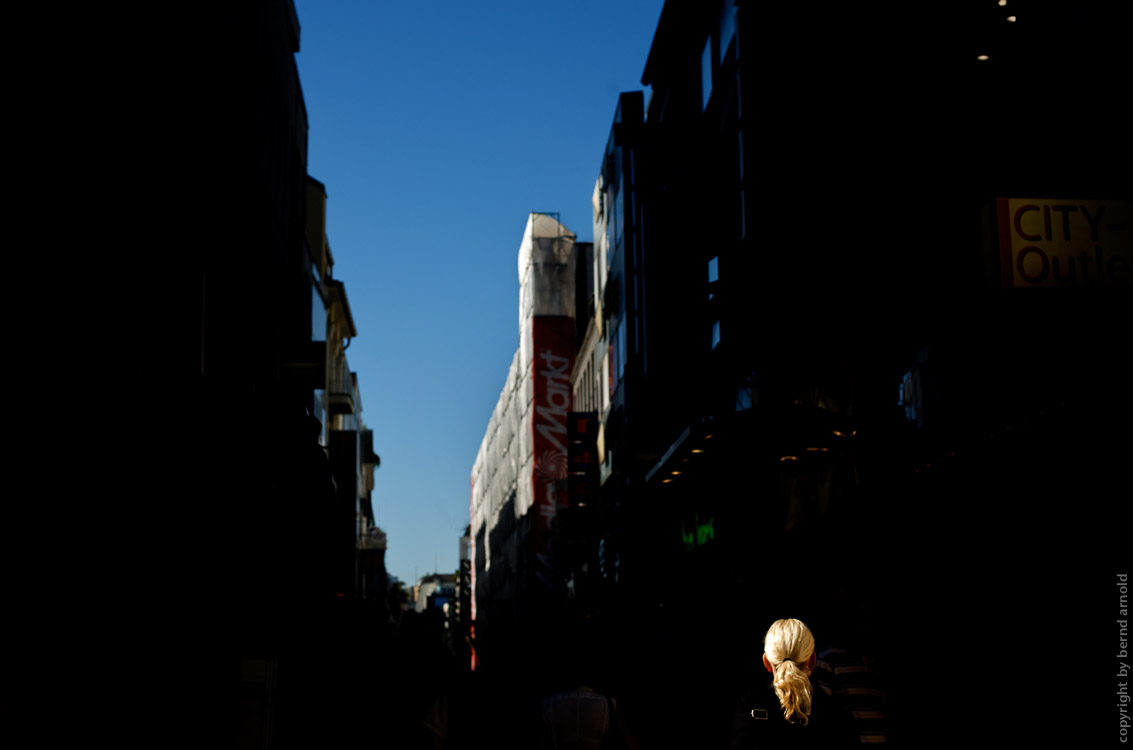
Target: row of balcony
{"points": [[311, 368]]}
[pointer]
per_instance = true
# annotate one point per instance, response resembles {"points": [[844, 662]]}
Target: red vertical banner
{"points": [[552, 361]]}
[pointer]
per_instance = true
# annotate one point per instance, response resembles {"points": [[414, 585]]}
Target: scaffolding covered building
{"points": [[519, 478]]}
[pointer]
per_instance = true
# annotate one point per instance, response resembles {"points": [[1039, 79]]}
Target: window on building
{"points": [[595, 401], [605, 387], [621, 338], [612, 218], [619, 212], [727, 26], [909, 395], [747, 394], [318, 314], [617, 353], [713, 279], [318, 410], [706, 73]]}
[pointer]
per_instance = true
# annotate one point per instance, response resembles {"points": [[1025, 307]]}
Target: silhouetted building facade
{"points": [[838, 315], [373, 580], [460, 619], [242, 359], [336, 401], [846, 314]]}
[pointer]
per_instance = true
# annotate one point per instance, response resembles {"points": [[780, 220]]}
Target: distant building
{"points": [[434, 591], [460, 619], [373, 580], [519, 478], [359, 554], [611, 355]]}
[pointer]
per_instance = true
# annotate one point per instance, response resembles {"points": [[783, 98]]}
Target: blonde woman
{"points": [[790, 712]]}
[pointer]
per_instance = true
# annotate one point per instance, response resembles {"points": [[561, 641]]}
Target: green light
{"points": [[701, 534]]}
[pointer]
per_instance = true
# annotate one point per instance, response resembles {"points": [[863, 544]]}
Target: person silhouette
{"points": [[580, 717], [790, 713]]}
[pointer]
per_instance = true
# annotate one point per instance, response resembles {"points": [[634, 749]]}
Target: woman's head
{"points": [[788, 653]]}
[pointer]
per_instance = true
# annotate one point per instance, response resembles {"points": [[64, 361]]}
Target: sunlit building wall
{"points": [[335, 401], [519, 475]]}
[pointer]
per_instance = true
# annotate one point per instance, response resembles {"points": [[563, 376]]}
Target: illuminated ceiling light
{"points": [[697, 450], [1003, 2], [818, 450], [839, 434], [789, 458], [676, 473], [983, 57], [1011, 19], [666, 481], [706, 437]]}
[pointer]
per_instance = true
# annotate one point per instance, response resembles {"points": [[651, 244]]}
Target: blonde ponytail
{"points": [[787, 643]]}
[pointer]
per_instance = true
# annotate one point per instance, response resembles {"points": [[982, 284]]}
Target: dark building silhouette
{"points": [[823, 283], [817, 364], [244, 388], [825, 385]]}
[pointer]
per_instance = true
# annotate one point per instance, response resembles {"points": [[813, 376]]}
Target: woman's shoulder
{"points": [[758, 722]]}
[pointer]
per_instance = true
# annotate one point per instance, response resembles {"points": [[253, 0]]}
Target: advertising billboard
{"points": [[1047, 242], [553, 359]]}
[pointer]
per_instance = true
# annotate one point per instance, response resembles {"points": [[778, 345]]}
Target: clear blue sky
{"points": [[436, 128]]}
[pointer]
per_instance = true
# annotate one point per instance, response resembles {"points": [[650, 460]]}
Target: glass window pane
{"points": [[727, 26], [706, 73], [318, 314]]}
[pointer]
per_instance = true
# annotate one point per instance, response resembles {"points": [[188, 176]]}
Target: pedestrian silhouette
{"points": [[787, 711]]}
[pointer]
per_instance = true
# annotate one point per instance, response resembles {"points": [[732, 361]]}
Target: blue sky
{"points": [[436, 128]]}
